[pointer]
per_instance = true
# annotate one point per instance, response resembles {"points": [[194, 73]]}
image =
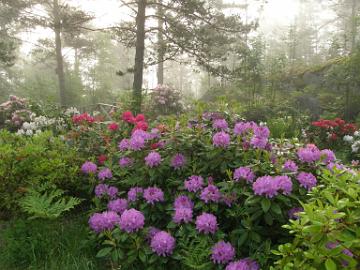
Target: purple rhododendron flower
{"points": [[89, 167], [221, 139], [244, 264], [182, 214], [261, 131], [118, 206], [293, 213], [107, 220], [210, 194], [133, 193], [333, 165], [153, 194], [327, 156], [194, 183], [105, 174], [284, 183], [183, 201], [290, 166], [265, 186], [206, 223], [131, 220], [220, 124], [178, 161], [307, 180], [259, 142], [153, 159], [141, 133], [125, 162], [112, 192], [244, 173], [242, 127], [100, 190], [222, 252], [124, 144], [163, 244], [309, 154], [137, 143], [151, 233]]}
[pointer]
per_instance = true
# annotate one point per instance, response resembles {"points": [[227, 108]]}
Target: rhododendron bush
{"points": [[210, 195]]}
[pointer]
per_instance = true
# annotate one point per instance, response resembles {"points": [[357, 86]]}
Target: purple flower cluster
{"points": [[221, 139], [118, 206], [210, 194], [290, 166], [131, 220], [327, 156], [133, 193], [163, 244], [105, 174], [153, 194], [206, 223], [270, 186], [244, 173], [153, 159], [194, 183], [244, 264], [183, 201], [102, 189], [107, 220], [182, 214], [137, 142], [260, 138], [125, 162], [124, 145], [309, 154], [242, 128], [222, 252], [307, 180], [89, 167], [183, 209], [220, 124], [178, 161]]}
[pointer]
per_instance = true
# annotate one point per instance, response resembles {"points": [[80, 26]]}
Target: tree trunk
{"points": [[59, 58], [353, 25], [139, 56], [161, 47]]}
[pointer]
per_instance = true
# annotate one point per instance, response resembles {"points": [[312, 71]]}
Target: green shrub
{"points": [[327, 233], [31, 161]]}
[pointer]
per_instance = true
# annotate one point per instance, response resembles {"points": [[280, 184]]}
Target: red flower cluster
{"points": [[113, 126], [81, 118], [102, 159], [338, 124], [139, 120]]}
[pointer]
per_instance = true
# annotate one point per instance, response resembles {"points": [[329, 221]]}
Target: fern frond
{"points": [[49, 205]]}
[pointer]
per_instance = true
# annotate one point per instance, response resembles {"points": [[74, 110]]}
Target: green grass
{"points": [[50, 245]]}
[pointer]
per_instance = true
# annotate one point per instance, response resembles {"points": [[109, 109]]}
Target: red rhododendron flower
{"points": [[333, 136], [128, 117], [81, 118], [140, 118], [102, 159], [142, 125], [113, 126]]}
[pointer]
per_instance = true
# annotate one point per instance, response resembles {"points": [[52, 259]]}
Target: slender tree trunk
{"points": [[139, 56], [161, 49], [77, 62], [353, 25], [59, 57]]}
